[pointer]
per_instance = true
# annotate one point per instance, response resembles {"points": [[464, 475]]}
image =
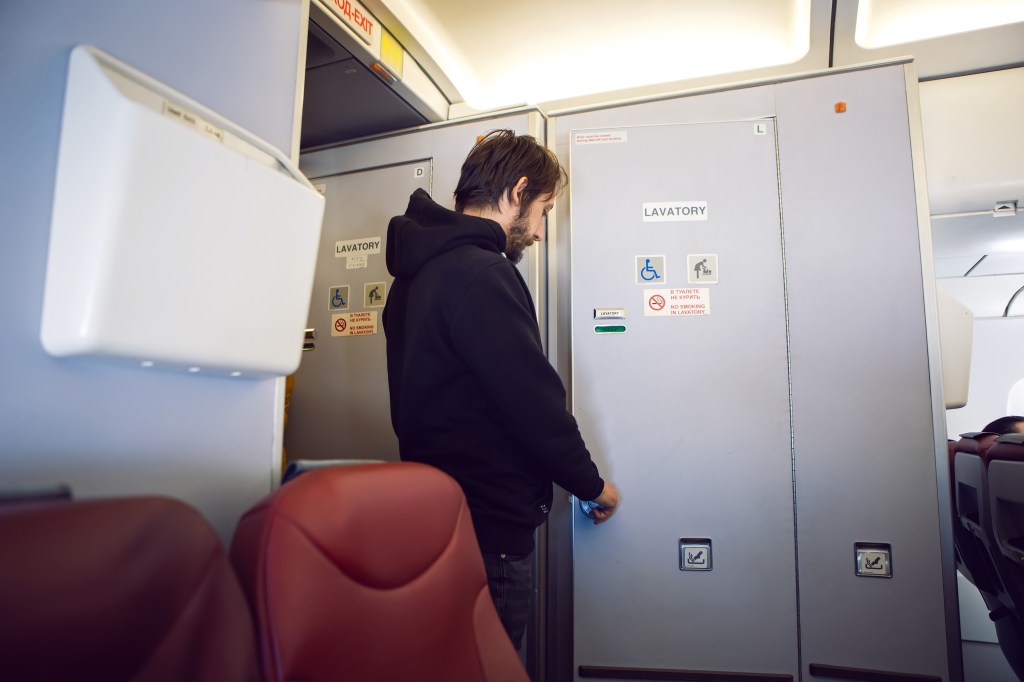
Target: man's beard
{"points": [[519, 238]]}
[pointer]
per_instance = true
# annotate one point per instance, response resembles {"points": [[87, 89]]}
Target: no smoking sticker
{"points": [[354, 324], [677, 302]]}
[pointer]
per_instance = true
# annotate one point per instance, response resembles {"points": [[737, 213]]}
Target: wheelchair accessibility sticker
{"points": [[337, 299], [650, 270]]}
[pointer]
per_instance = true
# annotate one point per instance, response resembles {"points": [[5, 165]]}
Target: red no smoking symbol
{"points": [[340, 324], [657, 302]]}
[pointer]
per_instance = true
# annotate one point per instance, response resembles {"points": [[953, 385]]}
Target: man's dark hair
{"points": [[1004, 425], [495, 165]]}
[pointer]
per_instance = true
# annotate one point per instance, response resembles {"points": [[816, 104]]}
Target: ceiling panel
{"points": [[1000, 264], [962, 52], [977, 235], [955, 267], [986, 296], [881, 23], [500, 53]]}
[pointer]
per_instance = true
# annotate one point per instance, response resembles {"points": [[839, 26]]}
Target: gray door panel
{"points": [[687, 413], [339, 408]]}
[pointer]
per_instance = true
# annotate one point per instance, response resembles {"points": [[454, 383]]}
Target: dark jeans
{"points": [[510, 578]]}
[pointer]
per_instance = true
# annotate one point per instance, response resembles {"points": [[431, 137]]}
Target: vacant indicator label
{"points": [[610, 328], [609, 313]]}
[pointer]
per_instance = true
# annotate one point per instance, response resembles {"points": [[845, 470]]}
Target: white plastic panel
{"points": [[956, 331], [973, 146], [178, 239], [1000, 264], [987, 296]]}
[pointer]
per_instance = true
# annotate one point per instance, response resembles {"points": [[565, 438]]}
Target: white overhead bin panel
{"points": [[972, 140], [178, 239]]}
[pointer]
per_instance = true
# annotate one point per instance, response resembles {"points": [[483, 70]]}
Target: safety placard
{"points": [[354, 324], [677, 302], [602, 137]]}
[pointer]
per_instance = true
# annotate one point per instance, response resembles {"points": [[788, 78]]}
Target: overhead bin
{"points": [[359, 79], [973, 146]]}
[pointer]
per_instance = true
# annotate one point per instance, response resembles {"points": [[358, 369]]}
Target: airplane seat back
{"points": [[969, 466], [1005, 503], [371, 572], [1006, 509], [974, 560], [135, 588]]}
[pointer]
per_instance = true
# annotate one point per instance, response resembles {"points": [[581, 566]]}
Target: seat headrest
{"points": [[120, 589], [368, 506]]}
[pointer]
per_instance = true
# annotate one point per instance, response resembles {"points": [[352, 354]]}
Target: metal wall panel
{"points": [[863, 416], [340, 408], [865, 426]]}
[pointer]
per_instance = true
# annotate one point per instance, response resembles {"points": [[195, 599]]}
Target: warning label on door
{"points": [[603, 137], [677, 302], [354, 324]]}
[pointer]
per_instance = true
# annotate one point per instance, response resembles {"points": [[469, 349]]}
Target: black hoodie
{"points": [[471, 390]]}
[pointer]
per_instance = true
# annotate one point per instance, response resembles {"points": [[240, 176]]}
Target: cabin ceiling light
{"points": [[881, 23], [499, 53]]}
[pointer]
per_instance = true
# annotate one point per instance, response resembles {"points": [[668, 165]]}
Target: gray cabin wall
{"points": [[108, 430]]}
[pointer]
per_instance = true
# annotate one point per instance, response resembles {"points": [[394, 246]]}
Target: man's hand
{"points": [[607, 501]]}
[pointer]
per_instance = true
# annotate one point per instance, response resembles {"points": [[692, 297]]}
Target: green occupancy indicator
{"points": [[610, 328]]}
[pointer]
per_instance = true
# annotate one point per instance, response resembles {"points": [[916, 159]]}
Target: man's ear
{"points": [[516, 194]]}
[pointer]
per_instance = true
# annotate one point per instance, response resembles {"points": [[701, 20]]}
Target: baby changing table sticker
{"points": [[674, 211], [356, 251], [354, 324], [702, 268], [650, 269], [374, 294], [677, 302]]}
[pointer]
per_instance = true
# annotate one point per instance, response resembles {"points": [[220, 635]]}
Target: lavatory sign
{"points": [[674, 211]]}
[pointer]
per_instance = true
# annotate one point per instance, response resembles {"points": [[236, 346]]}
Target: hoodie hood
{"points": [[427, 230]]}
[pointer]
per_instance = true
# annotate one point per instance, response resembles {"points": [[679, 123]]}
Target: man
{"points": [[471, 390], [1004, 425]]}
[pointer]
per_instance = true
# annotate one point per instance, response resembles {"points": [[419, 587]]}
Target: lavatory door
{"points": [[680, 385], [340, 407]]}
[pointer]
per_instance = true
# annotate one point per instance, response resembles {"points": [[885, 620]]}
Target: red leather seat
{"points": [[371, 572], [119, 589]]}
